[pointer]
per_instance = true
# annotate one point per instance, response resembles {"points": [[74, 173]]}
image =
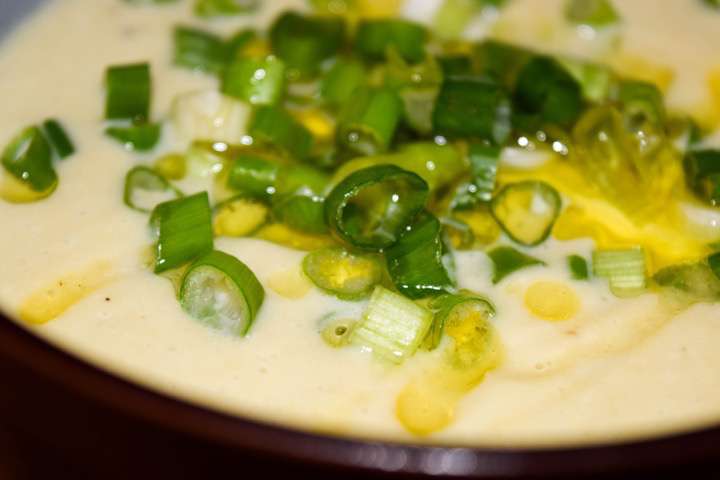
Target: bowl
{"points": [[59, 414]]}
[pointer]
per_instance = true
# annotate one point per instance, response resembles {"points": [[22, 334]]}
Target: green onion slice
{"points": [[336, 329], [375, 37], [299, 200], [253, 175], [420, 265], [304, 42], [346, 275], [702, 171], [714, 263], [275, 127], [368, 121], [578, 267], [500, 61], [239, 216], [448, 307], [483, 170], [58, 137], [145, 189], [338, 85], [199, 50], [507, 260], [697, 282], [473, 107], [223, 8], [139, 138], [258, 82], [371, 208], [184, 230], [28, 158], [128, 92], [625, 270], [222, 292], [392, 327], [594, 13], [527, 211]]}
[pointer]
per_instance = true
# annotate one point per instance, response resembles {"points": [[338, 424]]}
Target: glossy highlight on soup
{"points": [[441, 221]]}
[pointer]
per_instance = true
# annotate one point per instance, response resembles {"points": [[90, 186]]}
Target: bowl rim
{"points": [[52, 364]]}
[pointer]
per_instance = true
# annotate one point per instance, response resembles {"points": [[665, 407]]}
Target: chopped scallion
{"points": [[348, 276], [339, 84], [145, 189], [483, 170], [392, 327], [527, 211], [578, 267], [275, 127], [184, 229], [239, 216], [58, 137], [368, 121], [128, 92], [222, 292], [595, 13], [507, 260], [625, 269], [28, 157], [446, 307], [375, 37], [141, 137], [258, 82], [702, 172], [253, 175], [222, 8], [199, 50]]}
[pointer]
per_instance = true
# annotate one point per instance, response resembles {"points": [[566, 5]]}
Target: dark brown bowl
{"points": [[61, 414]]}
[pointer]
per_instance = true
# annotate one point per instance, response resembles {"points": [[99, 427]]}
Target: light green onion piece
{"points": [[348, 276], [369, 119], [184, 231], [625, 269], [507, 260], [222, 8], [335, 329], [128, 89], [595, 13], [258, 82], [28, 157], [392, 327], [527, 211], [145, 189], [275, 127], [446, 306], [139, 138], [338, 85], [199, 50], [222, 292]]}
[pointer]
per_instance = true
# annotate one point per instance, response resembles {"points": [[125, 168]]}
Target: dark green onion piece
{"points": [[199, 50], [238, 42], [222, 292], [145, 189], [420, 264], [595, 80], [483, 170], [507, 260], [641, 101], [712, 3], [625, 270], [714, 263], [128, 92], [372, 207], [527, 211], [454, 66], [222, 8], [500, 61], [299, 200], [696, 281], [59, 138], [28, 157], [475, 108], [348, 276], [338, 85], [368, 121], [253, 175], [141, 137], [184, 229], [546, 89], [578, 267], [375, 37], [392, 327], [259, 82], [276, 127], [595, 13], [702, 172], [444, 306], [304, 42]]}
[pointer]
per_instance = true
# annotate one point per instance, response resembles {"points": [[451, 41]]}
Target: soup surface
{"points": [[578, 363]]}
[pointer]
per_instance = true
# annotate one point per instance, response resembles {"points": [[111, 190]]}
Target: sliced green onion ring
{"points": [[346, 275], [239, 216], [184, 230], [392, 327], [28, 157], [222, 292], [625, 270], [145, 189], [371, 208], [128, 92], [139, 138], [273, 126], [578, 267], [420, 265], [368, 120], [507, 260], [527, 211], [199, 50], [58, 137], [258, 82], [336, 329], [446, 306]]}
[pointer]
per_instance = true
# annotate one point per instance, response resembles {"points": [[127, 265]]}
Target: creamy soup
{"points": [[627, 353]]}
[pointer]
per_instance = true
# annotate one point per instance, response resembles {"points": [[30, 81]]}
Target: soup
{"points": [[445, 222]]}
